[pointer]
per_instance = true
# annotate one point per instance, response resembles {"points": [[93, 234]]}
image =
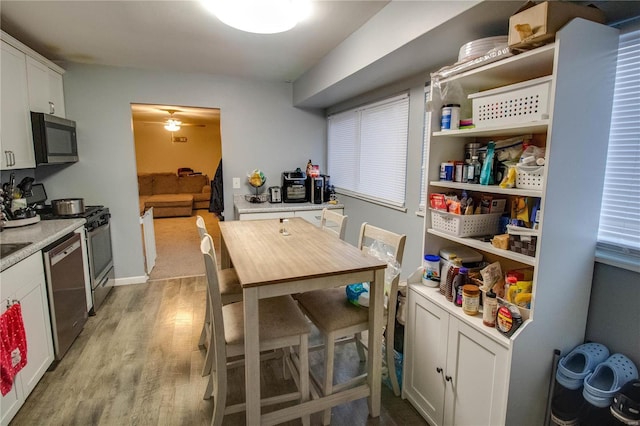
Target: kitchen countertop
{"points": [[243, 206], [39, 235]]}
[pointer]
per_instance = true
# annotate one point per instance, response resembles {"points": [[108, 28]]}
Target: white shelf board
{"points": [[486, 247], [493, 189], [524, 66], [504, 130]]}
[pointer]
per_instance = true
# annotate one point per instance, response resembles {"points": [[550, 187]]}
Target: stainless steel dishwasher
{"points": [[66, 290]]}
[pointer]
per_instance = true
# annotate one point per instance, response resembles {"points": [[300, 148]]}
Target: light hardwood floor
{"points": [[137, 362]]}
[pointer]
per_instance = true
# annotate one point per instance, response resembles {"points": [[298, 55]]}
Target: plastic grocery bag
{"points": [[358, 293]]}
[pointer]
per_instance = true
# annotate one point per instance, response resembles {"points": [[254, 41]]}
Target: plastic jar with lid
{"points": [[450, 118], [431, 270], [470, 299]]}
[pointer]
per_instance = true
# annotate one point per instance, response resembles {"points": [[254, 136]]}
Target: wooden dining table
{"points": [[270, 263]]}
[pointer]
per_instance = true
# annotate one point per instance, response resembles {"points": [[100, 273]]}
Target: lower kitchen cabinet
{"points": [[453, 374], [25, 283]]}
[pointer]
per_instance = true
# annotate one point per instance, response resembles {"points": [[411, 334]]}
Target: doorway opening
{"points": [[178, 151]]}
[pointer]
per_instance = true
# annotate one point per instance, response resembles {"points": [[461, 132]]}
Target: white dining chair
{"points": [[333, 222], [282, 326], [230, 291], [337, 318]]}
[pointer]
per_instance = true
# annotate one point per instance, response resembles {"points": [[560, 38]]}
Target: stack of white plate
{"points": [[479, 47]]}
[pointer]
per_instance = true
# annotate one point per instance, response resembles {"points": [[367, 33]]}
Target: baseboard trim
{"points": [[131, 280]]}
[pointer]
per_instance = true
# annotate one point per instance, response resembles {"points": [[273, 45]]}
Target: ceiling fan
{"points": [[173, 124]]}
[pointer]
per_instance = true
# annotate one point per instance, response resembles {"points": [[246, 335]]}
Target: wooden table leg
{"points": [[376, 320], [252, 355]]}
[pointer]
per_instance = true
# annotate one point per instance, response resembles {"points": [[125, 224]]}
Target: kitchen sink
{"points": [[7, 249]]}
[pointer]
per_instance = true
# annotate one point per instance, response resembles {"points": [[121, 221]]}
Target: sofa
{"points": [[171, 195]]}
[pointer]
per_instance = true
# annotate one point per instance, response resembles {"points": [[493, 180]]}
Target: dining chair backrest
{"points": [[215, 301], [202, 228], [333, 222], [391, 239]]}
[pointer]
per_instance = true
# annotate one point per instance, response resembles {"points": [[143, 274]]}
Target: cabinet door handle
{"points": [[13, 158], [438, 370], [52, 108], [447, 378], [7, 158]]}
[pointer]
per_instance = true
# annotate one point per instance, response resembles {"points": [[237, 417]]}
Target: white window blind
{"points": [[367, 150], [620, 211], [423, 176]]}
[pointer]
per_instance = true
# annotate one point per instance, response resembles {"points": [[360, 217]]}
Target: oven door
{"points": [[100, 254]]}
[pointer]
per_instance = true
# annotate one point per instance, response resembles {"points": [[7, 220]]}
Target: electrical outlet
{"points": [[236, 183]]}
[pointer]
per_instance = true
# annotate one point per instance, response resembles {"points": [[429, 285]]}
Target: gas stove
{"points": [[95, 215]]}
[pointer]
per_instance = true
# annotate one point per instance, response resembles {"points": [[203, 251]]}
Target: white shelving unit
{"points": [[438, 373]]}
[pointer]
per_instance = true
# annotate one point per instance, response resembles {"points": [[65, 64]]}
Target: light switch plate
{"points": [[236, 183]]}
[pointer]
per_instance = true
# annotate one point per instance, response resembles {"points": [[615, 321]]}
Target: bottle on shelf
{"points": [[490, 308], [460, 280], [452, 272], [474, 170]]}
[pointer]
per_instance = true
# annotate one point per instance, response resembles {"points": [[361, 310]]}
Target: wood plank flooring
{"points": [[137, 363]]}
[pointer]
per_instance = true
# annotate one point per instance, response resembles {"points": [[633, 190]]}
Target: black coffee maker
{"points": [[316, 189]]}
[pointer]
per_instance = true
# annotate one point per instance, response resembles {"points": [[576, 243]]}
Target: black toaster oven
{"points": [[294, 187]]}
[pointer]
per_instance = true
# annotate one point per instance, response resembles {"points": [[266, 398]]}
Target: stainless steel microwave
{"points": [[54, 139]]}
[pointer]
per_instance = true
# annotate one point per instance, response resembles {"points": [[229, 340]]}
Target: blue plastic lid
{"points": [[432, 258]]}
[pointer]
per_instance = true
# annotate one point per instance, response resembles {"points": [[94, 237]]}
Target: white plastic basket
{"points": [[518, 103], [529, 177], [465, 225]]}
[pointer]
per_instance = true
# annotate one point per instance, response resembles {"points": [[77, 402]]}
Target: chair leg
{"points": [[210, 383], [286, 374], [207, 320], [303, 357], [219, 397], [360, 347], [391, 365], [209, 360], [329, 353]]}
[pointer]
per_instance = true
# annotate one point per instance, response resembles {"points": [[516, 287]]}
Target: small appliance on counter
{"points": [[294, 187], [275, 194], [315, 189]]}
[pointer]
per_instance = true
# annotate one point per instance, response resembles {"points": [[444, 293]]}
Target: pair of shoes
{"points": [[607, 379], [566, 407], [626, 403], [579, 363]]}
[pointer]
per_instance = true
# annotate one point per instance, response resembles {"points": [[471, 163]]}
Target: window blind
{"points": [[367, 150], [620, 212], [423, 175]]}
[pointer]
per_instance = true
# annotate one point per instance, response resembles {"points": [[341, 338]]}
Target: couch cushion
{"points": [[165, 183], [145, 184], [192, 184]]}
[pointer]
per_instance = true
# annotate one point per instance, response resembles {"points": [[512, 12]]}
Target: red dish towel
{"points": [[13, 346]]}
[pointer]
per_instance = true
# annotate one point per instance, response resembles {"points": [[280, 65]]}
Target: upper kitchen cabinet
{"points": [[45, 88], [15, 130], [30, 82]]}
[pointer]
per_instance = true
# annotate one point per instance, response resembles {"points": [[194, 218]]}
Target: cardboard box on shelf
{"points": [[534, 25]]}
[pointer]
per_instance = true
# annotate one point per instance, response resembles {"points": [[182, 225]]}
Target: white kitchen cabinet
{"points": [[45, 88], [580, 64], [25, 283], [312, 216], [15, 130], [466, 377]]}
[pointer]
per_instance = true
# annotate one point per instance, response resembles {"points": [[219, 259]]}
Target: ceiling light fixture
{"points": [[172, 125], [260, 16]]}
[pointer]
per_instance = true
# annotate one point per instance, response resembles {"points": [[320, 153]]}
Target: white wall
{"points": [[259, 126]]}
